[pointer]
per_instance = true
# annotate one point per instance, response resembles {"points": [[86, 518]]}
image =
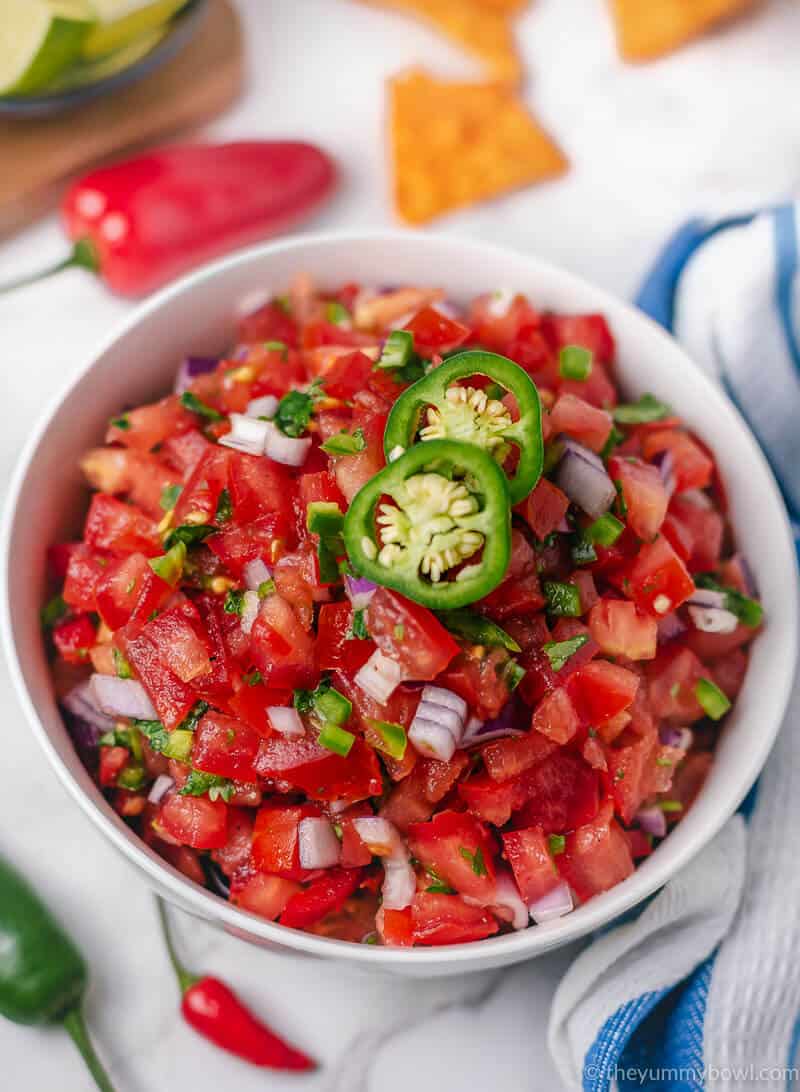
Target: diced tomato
{"points": [[239, 544], [250, 704], [505, 758], [355, 854], [434, 332], [119, 528], [643, 492], [264, 895], [153, 594], [172, 697], [689, 778], [113, 761], [671, 683], [600, 690], [710, 646], [317, 487], [235, 854], [119, 587], [590, 331], [336, 648], [259, 486], [409, 634], [200, 496], [555, 717], [356, 470], [587, 589], [281, 648], [225, 746], [58, 558], [597, 389], [146, 427], [177, 643], [596, 857], [630, 768], [701, 528], [414, 799], [562, 793], [477, 676], [306, 765], [458, 848], [74, 638], [585, 423], [520, 592], [271, 322], [195, 821], [729, 671], [347, 375], [545, 508], [693, 468], [297, 580], [447, 919], [184, 451], [321, 897], [658, 580], [620, 629], [276, 846], [528, 853], [395, 927]]}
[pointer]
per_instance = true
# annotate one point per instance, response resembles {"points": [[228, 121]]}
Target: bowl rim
{"points": [[526, 943]]}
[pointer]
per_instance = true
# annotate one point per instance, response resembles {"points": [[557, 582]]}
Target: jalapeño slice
{"points": [[434, 525], [440, 407]]}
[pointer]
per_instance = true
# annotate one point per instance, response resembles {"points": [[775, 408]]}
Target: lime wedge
{"points": [[121, 22], [40, 39], [86, 72]]}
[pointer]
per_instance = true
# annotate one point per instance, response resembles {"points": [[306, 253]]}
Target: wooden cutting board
{"points": [[38, 156]]}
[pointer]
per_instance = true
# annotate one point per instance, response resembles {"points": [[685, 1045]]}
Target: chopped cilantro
{"points": [[295, 409], [475, 860], [234, 601], [254, 678], [224, 507], [197, 405], [199, 783], [358, 627], [169, 497], [122, 423], [556, 844], [558, 652], [345, 443], [189, 533], [53, 611]]}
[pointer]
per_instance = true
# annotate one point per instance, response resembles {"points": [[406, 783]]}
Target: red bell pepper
{"points": [[144, 221]]}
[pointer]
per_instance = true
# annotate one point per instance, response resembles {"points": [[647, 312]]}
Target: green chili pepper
{"points": [[43, 976], [437, 407], [447, 502]]}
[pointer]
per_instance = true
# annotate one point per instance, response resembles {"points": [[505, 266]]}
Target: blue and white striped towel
{"points": [[701, 991]]}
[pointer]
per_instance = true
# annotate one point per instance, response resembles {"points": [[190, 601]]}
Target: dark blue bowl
{"points": [[183, 26]]}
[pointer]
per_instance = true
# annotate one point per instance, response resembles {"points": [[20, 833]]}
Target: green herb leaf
{"points": [[437, 885], [475, 859], [199, 783], [558, 652], [254, 678], [189, 534], [345, 443], [190, 721], [358, 627], [122, 423], [224, 507], [196, 405], [53, 611], [477, 629], [557, 844], [647, 409], [295, 409], [234, 601]]}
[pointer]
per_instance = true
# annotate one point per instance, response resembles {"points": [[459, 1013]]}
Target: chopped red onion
{"points": [[698, 497], [122, 697], [500, 727], [555, 904], [286, 721], [440, 695], [191, 368], [285, 449], [249, 613], [359, 591], [584, 481], [159, 789], [713, 620], [500, 303], [665, 462], [317, 843], [399, 885], [379, 677], [563, 527], [432, 739], [256, 573], [247, 434], [652, 821], [566, 444], [676, 737], [669, 627], [266, 406], [507, 902], [705, 597], [84, 721]]}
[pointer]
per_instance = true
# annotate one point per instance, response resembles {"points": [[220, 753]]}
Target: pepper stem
{"points": [[185, 977], [76, 1026], [82, 256]]}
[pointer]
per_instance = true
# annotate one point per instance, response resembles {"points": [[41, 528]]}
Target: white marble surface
{"points": [[712, 128]]}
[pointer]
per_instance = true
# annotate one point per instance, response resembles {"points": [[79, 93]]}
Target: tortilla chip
{"points": [[454, 144], [649, 28], [479, 26]]}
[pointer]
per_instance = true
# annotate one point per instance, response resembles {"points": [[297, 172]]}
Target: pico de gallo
{"points": [[398, 623]]}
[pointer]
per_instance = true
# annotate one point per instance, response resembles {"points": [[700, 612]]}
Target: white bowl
{"points": [[197, 315]]}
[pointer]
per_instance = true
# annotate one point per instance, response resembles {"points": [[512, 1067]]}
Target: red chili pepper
{"points": [[141, 222], [214, 1010]]}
